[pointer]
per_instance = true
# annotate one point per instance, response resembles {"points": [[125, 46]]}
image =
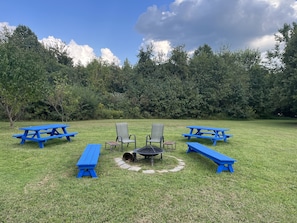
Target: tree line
{"points": [[38, 83]]}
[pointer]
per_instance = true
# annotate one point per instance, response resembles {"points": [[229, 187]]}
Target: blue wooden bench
{"points": [[88, 161], [224, 162]]}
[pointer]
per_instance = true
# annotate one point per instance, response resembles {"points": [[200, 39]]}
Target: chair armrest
{"points": [[148, 137], [134, 136], [119, 138]]}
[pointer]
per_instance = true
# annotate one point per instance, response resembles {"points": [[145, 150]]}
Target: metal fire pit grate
{"points": [[148, 151]]}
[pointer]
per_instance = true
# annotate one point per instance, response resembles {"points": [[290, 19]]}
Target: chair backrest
{"points": [[157, 131], [122, 130]]}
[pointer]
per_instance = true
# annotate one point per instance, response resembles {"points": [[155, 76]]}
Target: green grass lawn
{"points": [[40, 185]]}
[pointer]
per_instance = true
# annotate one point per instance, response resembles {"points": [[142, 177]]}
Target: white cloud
{"points": [[178, 2], [81, 54], [108, 57], [53, 42], [161, 49], [5, 24], [9, 28], [263, 43], [238, 24]]}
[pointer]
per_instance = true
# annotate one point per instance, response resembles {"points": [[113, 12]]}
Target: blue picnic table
{"points": [[205, 132], [43, 133]]}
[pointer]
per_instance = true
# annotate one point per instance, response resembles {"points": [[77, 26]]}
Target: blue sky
{"points": [[121, 27]]}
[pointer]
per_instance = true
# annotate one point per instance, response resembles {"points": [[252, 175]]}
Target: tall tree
{"points": [[178, 63], [285, 90], [22, 74], [63, 99]]}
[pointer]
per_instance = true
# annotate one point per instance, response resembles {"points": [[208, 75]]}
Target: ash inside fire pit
{"points": [[148, 151]]}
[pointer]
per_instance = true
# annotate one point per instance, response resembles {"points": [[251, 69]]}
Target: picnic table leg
{"points": [[191, 132], [65, 132], [24, 137], [216, 136], [224, 136], [41, 146]]}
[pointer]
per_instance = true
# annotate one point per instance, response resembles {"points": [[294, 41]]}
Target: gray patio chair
{"points": [[156, 135], [123, 136]]}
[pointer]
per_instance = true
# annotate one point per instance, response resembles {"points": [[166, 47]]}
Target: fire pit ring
{"points": [[148, 151]]}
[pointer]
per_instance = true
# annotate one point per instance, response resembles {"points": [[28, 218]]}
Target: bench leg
{"points": [[87, 172], [189, 150], [222, 167]]}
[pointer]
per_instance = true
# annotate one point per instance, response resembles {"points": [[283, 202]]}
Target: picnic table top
{"points": [[43, 127], [207, 128]]}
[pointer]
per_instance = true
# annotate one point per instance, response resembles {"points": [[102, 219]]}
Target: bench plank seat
{"points": [[30, 134], [67, 135], [44, 139], [88, 161], [224, 162]]}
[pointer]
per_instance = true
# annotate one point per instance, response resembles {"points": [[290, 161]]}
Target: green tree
{"points": [[61, 54], [284, 92], [178, 63], [22, 73], [207, 72], [63, 99], [146, 66]]}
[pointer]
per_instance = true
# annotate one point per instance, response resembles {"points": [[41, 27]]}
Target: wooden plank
{"points": [[71, 134], [30, 134]]}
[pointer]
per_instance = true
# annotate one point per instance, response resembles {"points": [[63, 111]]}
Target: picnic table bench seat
{"points": [[67, 135], [200, 136], [88, 161], [208, 136], [31, 134], [224, 162]]}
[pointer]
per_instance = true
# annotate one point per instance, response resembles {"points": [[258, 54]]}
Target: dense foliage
{"points": [[40, 83]]}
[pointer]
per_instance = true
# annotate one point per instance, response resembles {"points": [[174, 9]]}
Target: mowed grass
{"points": [[40, 185]]}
